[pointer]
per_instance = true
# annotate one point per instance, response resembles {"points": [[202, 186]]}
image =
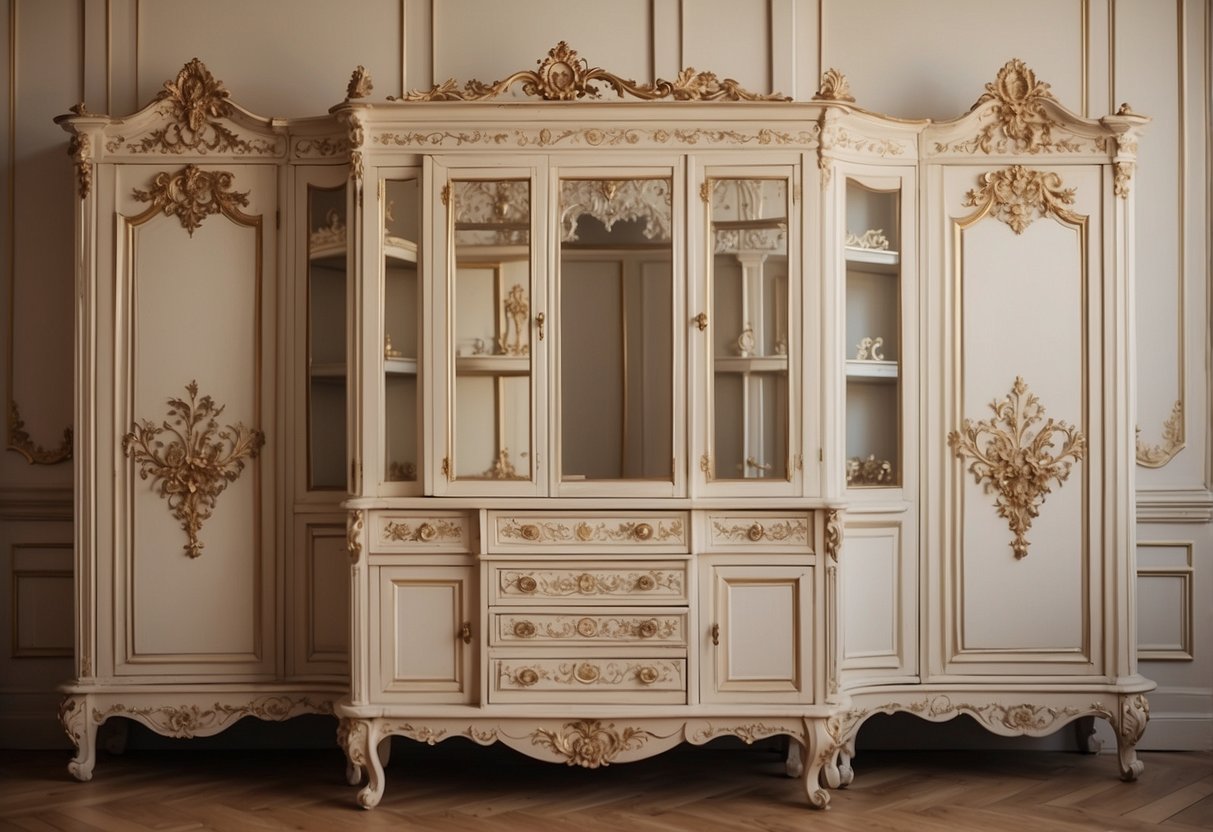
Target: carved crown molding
{"points": [[1018, 196], [199, 461], [193, 194], [565, 76], [1018, 464]]}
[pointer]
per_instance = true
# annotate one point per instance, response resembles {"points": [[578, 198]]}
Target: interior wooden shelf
{"points": [[400, 366], [493, 365], [872, 370], [873, 260], [752, 364]]}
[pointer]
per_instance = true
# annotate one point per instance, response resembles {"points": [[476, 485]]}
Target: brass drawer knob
{"points": [[529, 532], [586, 583], [647, 675], [587, 627], [524, 629], [526, 677], [527, 584], [586, 673], [426, 532], [755, 532], [642, 531], [646, 583], [647, 629]]}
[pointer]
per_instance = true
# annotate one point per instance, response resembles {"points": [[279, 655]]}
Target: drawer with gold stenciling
{"points": [[437, 532], [739, 531], [614, 628], [588, 582], [614, 532], [603, 680]]}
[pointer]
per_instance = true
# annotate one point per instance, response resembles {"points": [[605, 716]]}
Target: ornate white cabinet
{"points": [[203, 596], [667, 419]]}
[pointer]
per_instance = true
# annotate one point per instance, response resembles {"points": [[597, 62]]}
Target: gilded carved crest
{"points": [[565, 76], [198, 461], [1016, 460], [834, 87], [590, 743], [193, 194], [1018, 196], [360, 85]]}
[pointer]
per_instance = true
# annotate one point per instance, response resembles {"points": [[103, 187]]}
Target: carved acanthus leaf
{"points": [[360, 85], [833, 534], [590, 743], [193, 194], [1011, 459], [353, 534], [1173, 440], [834, 87], [1018, 196]]}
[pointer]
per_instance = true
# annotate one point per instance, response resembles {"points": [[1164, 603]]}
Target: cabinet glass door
{"points": [[326, 338], [401, 331], [748, 328], [616, 334], [493, 327], [872, 253]]}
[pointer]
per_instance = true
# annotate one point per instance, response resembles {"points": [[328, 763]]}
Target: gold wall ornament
{"points": [[1018, 196], [197, 464], [565, 76], [360, 85], [80, 148], [197, 101], [590, 743], [20, 441], [834, 87], [1173, 440], [193, 194], [1018, 465]]}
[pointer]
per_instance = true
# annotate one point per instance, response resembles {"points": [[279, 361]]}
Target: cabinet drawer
{"points": [[609, 628], [430, 532], [737, 531], [589, 680], [623, 532], [647, 582]]}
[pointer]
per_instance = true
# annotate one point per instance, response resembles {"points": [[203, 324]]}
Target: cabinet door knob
{"points": [[715, 635], [755, 532], [642, 531], [540, 319], [465, 632], [701, 321], [647, 629], [646, 583]]}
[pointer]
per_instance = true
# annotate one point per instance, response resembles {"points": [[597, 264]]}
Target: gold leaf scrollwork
{"points": [[1134, 715], [20, 441], [1018, 465], [193, 194], [353, 534], [834, 87], [1173, 440], [1018, 196], [197, 101], [1019, 110], [198, 462], [565, 76], [833, 533], [589, 743], [1122, 174], [81, 150]]}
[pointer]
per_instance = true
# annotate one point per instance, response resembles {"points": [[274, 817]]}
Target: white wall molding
{"points": [[1178, 505]]}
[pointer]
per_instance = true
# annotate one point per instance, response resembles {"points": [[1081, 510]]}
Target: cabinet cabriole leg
{"points": [[365, 736], [76, 717], [818, 753], [1134, 714]]}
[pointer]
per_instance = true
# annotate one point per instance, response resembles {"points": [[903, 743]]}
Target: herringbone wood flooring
{"points": [[458, 787]]}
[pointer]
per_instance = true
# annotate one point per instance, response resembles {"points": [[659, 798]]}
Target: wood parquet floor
{"points": [[455, 787]]}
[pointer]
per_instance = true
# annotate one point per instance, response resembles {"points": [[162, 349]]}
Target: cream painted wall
{"points": [[929, 58]]}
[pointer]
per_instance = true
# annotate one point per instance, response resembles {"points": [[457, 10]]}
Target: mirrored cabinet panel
{"points": [[616, 333], [401, 329], [748, 327], [872, 251], [326, 338], [491, 323]]}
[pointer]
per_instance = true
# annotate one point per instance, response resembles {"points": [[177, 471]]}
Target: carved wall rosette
{"points": [[1011, 459], [198, 462]]}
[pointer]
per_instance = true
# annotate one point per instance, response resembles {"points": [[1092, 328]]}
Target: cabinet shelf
{"points": [[400, 366], [493, 365], [399, 250], [752, 364], [872, 370], [880, 261]]}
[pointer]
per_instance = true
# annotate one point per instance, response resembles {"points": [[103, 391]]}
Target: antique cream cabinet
{"points": [[638, 422]]}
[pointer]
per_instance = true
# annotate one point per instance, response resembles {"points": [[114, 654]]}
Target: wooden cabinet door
{"points": [[425, 634], [757, 633]]}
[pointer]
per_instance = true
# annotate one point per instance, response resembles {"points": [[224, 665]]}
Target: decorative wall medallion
{"points": [[1018, 196], [197, 101], [834, 87], [435, 531], [199, 461], [353, 534], [81, 150], [360, 85], [20, 441], [193, 194], [590, 743], [1173, 441], [611, 201], [564, 76], [833, 533], [1014, 461]]}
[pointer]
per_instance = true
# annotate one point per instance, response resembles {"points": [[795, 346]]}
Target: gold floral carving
{"points": [[1015, 462], [503, 468], [833, 533], [834, 87], [599, 137], [193, 194], [81, 150], [586, 674], [580, 531], [565, 76], [353, 534], [198, 462], [20, 441], [590, 743], [795, 529], [326, 146], [1018, 196], [602, 628], [1134, 714], [1122, 174], [192, 720], [1173, 441], [1020, 115], [517, 311], [425, 532], [360, 85], [749, 734], [197, 101], [73, 716], [563, 584]]}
